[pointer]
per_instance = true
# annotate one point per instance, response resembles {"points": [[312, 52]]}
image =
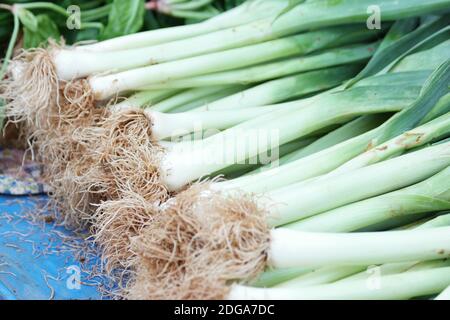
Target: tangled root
{"points": [[115, 223], [31, 88], [75, 109], [197, 244], [73, 195], [129, 157], [50, 112], [59, 148], [114, 186], [36, 98], [115, 156]]}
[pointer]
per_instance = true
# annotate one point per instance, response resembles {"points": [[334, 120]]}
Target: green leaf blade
{"points": [[125, 17]]}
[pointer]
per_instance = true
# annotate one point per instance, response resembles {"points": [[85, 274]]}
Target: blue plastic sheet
{"points": [[39, 260]]}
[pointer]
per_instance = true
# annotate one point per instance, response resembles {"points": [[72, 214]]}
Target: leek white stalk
{"points": [[290, 248], [328, 274], [348, 273], [237, 170], [272, 277], [440, 221], [334, 274], [84, 63]]}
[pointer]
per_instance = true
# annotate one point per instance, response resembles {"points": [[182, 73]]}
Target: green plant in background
{"points": [[192, 10], [39, 21]]}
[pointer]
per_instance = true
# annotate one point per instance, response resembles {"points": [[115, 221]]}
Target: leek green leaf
{"points": [[436, 87], [28, 19], [46, 30], [389, 54], [125, 17]]}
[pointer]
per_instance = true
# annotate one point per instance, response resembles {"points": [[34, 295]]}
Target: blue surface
{"points": [[39, 260]]}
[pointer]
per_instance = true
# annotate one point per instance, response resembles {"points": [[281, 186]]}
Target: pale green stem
{"points": [[280, 90], [424, 60], [356, 185], [205, 101], [430, 195], [399, 267], [11, 44], [143, 99], [189, 96], [409, 140], [350, 130], [392, 287], [280, 68]]}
